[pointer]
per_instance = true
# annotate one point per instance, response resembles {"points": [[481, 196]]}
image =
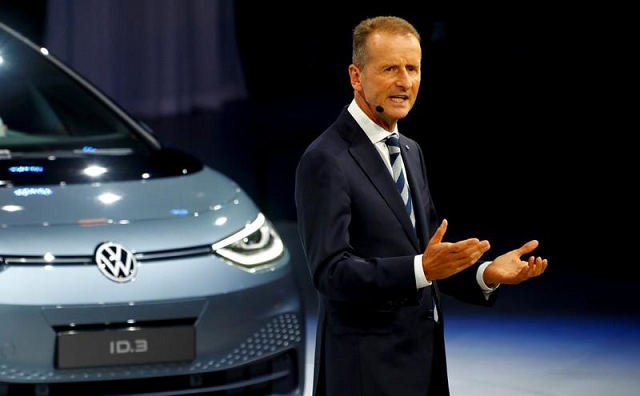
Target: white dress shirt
{"points": [[378, 135]]}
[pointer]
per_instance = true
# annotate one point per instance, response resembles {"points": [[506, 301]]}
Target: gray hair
{"points": [[387, 24]]}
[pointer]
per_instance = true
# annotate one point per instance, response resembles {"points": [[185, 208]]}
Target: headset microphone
{"points": [[379, 109]]}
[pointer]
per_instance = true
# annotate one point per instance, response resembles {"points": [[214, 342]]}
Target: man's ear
{"points": [[354, 77]]}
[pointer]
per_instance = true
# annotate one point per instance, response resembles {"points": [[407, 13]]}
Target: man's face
{"points": [[391, 77]]}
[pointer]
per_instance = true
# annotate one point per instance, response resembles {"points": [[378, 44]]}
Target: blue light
{"points": [[179, 212], [89, 149], [26, 169], [27, 192]]}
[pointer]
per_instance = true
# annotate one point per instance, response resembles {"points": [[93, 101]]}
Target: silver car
{"points": [[126, 267]]}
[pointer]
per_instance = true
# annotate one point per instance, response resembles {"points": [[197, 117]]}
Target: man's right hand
{"points": [[444, 259]]}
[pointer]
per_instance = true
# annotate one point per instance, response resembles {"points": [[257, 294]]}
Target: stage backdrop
{"points": [[154, 57]]}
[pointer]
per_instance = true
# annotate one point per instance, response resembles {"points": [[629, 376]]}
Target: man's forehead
{"points": [[383, 35], [388, 46], [390, 41]]}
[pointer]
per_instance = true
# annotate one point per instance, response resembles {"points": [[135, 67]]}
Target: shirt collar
{"points": [[374, 132]]}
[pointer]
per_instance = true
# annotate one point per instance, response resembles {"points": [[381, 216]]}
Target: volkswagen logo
{"points": [[116, 262]]}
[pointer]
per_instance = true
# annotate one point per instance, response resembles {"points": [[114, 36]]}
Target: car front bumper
{"points": [[249, 328]]}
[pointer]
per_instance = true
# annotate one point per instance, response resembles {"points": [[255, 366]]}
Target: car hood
{"points": [[121, 202]]}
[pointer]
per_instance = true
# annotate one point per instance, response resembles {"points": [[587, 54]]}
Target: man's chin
{"points": [[399, 114]]}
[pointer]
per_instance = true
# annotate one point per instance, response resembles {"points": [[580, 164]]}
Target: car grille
{"points": [[86, 260], [272, 375]]}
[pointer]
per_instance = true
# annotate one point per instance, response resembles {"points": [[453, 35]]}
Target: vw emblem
{"points": [[116, 262]]}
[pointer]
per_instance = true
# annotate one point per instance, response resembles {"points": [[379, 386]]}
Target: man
{"points": [[365, 215]]}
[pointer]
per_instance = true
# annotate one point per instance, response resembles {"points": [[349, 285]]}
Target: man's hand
{"points": [[510, 270], [443, 259]]}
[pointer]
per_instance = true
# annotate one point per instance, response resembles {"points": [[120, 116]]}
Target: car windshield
{"points": [[45, 111]]}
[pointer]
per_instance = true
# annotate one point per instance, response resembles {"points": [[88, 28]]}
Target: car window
{"points": [[44, 109]]}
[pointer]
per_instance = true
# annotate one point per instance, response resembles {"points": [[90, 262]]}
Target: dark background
{"points": [[518, 117]]}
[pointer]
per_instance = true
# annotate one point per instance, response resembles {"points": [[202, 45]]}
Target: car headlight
{"points": [[254, 245]]}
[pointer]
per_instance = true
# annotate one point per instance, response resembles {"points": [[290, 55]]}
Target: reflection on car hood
{"points": [[115, 202]]}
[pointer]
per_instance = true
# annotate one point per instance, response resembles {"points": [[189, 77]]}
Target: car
{"points": [[127, 267]]}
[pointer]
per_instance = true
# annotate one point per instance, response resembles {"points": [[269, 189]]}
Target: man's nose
{"points": [[404, 79]]}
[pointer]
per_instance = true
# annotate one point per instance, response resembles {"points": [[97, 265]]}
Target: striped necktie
{"points": [[403, 187], [399, 175]]}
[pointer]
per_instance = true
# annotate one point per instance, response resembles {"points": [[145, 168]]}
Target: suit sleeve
{"points": [[323, 204]]}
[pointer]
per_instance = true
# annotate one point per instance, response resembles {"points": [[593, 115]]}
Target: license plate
{"points": [[123, 347]]}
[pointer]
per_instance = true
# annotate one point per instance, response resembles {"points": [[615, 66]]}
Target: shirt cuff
{"points": [[486, 290], [421, 278]]}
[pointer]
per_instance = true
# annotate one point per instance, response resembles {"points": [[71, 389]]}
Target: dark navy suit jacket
{"points": [[376, 333]]}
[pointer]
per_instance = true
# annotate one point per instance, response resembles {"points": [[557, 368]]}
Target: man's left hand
{"points": [[510, 270]]}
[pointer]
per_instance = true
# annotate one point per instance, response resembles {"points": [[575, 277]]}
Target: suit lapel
{"points": [[412, 165], [368, 158]]}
